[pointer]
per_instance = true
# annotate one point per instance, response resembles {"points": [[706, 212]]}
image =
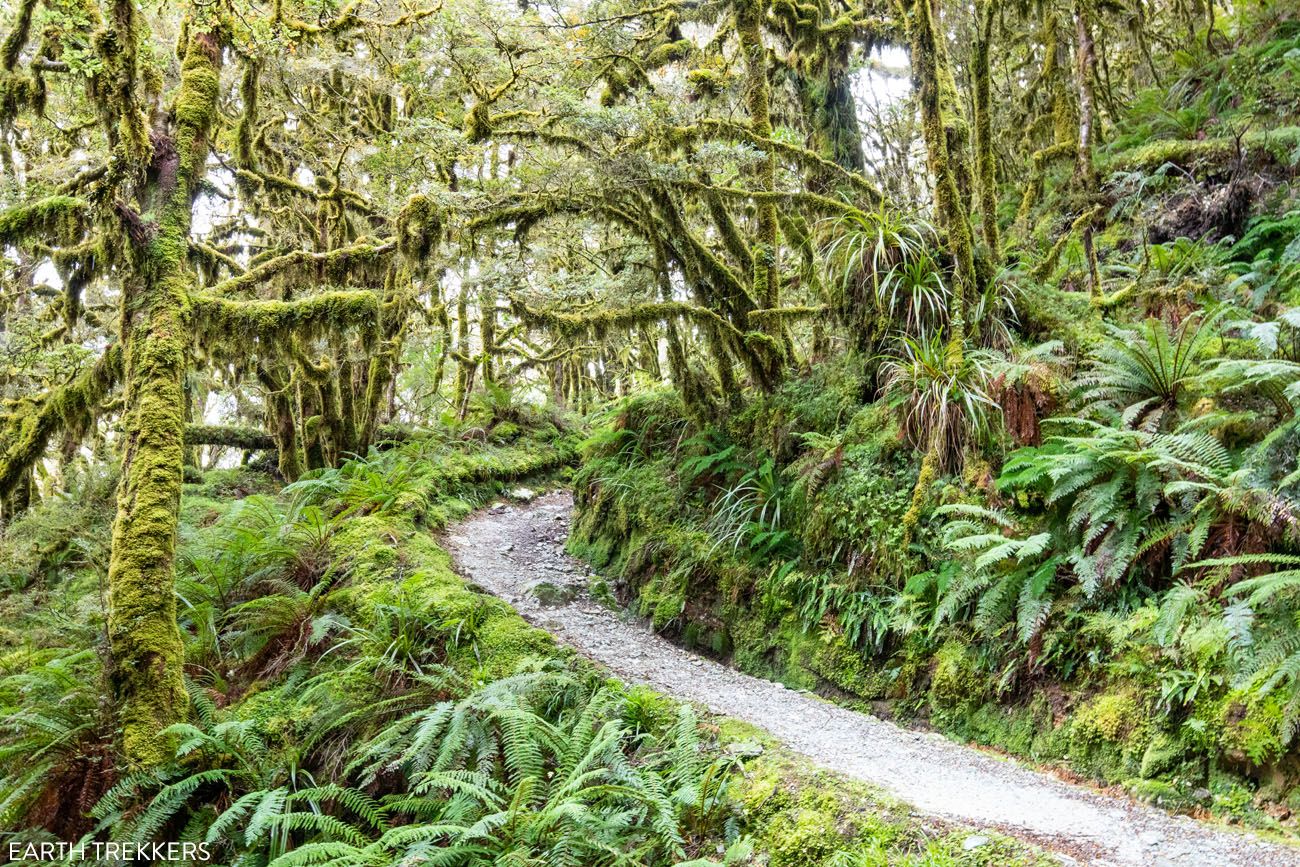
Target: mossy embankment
{"points": [[830, 596]]}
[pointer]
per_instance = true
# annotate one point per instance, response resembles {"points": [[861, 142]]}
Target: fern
{"points": [[1143, 374]]}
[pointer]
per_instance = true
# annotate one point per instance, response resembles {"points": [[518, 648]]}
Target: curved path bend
{"points": [[511, 550]]}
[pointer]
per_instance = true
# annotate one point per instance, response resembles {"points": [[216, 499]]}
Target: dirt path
{"points": [[516, 552]]}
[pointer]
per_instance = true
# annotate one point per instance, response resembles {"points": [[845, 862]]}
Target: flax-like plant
{"points": [[884, 274], [940, 392]]}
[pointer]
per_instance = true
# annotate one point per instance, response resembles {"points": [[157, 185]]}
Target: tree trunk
{"points": [[985, 160], [932, 78], [145, 644], [1085, 173], [767, 264]]}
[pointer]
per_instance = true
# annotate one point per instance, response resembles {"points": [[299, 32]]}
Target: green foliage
{"points": [[1011, 581], [940, 391], [1144, 374], [539, 765], [806, 381], [885, 276]]}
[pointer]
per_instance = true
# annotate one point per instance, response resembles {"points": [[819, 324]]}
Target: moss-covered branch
{"points": [[53, 220], [787, 313], [802, 156], [252, 439], [1270, 145], [599, 323], [280, 320], [32, 423], [299, 261]]}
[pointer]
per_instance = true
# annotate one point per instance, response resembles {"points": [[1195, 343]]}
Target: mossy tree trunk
{"points": [[1084, 172], [945, 152], [985, 159], [765, 252], [147, 655]]}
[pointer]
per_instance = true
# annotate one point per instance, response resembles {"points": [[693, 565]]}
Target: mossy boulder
{"points": [[505, 432], [1162, 755]]}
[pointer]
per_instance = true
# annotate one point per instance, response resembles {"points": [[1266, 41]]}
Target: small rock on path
{"points": [[507, 550]]}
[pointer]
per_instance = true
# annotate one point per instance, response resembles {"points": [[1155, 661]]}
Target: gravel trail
{"points": [[516, 553]]}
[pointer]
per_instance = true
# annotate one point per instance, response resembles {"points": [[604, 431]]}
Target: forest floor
{"points": [[517, 553]]}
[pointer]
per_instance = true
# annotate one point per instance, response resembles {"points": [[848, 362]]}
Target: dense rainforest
{"points": [[940, 359]]}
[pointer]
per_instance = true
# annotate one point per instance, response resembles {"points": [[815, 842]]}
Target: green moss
{"points": [[1019, 730], [1210, 153], [1110, 717], [706, 82], [505, 432], [1162, 755], [1161, 794], [478, 123], [419, 228], [1109, 736], [664, 598], [486, 638], [802, 836], [837, 662], [53, 220], [800, 817], [31, 424], [956, 682], [220, 435], [669, 52], [275, 321]]}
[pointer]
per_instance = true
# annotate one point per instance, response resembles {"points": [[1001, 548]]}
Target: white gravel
{"points": [[509, 551]]}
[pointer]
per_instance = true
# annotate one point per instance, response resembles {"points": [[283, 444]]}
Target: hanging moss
{"points": [[616, 85], [341, 263], [419, 228], [17, 37], [1040, 160], [669, 52], [53, 220], [29, 427], [478, 123], [244, 131], [706, 82], [802, 156], [21, 92]]}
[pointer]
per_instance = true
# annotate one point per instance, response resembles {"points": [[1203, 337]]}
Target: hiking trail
{"points": [[517, 552]]}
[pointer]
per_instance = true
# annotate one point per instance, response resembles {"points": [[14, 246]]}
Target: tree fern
{"points": [[1144, 373]]}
